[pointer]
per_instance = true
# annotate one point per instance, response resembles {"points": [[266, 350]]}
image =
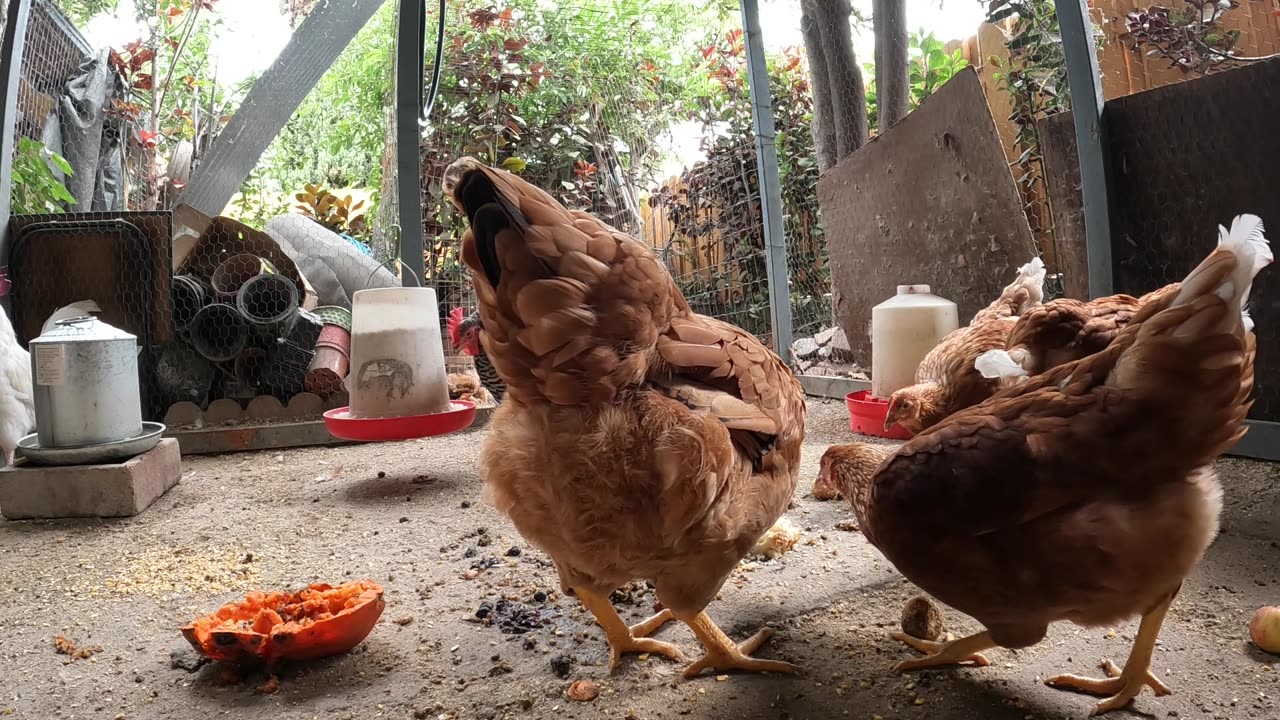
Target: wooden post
{"points": [[272, 101]]}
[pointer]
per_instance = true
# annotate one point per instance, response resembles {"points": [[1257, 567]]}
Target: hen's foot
{"points": [[955, 652], [1122, 686], [723, 654], [651, 625], [623, 639], [1116, 688]]}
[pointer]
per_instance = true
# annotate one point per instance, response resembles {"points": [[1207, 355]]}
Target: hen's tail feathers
{"points": [[1026, 291], [1194, 351], [1031, 277], [997, 364], [1228, 272]]}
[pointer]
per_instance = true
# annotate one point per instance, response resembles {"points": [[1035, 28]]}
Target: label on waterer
{"points": [[51, 364]]}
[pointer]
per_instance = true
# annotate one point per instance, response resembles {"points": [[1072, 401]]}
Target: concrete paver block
{"points": [[121, 490]]}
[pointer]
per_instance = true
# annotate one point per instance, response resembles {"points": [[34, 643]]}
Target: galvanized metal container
{"points": [[85, 376]]}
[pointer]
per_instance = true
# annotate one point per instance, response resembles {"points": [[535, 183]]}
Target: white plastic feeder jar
{"points": [[397, 356]]}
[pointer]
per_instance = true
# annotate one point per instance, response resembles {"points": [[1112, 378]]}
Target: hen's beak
{"points": [[889, 421]]}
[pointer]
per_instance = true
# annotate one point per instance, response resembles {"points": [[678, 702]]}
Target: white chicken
{"points": [[17, 401]]}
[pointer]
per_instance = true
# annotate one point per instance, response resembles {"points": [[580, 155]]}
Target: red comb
{"points": [[455, 321]]}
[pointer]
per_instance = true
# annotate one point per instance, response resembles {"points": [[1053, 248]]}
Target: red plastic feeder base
{"points": [[867, 414], [341, 425]]}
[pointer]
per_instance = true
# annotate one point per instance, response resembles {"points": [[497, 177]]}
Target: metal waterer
{"points": [[86, 384]]}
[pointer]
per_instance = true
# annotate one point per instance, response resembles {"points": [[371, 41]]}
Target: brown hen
{"points": [[1063, 330], [1086, 493], [946, 379], [638, 439]]}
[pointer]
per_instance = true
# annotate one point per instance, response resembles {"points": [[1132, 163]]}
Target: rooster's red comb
{"points": [[454, 323]]}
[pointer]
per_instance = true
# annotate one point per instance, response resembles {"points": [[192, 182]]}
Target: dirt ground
{"points": [[409, 516]]}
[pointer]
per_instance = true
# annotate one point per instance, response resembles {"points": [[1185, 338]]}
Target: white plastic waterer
{"points": [[397, 359], [904, 329]]}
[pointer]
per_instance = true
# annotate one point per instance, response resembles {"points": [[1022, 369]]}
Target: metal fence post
{"points": [[410, 20], [770, 186], [15, 38], [1087, 104]]}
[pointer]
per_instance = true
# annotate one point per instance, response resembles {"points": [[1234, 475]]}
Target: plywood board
{"points": [[930, 201]]}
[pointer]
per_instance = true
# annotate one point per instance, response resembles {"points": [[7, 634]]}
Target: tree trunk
{"points": [[823, 126], [847, 92], [893, 80]]}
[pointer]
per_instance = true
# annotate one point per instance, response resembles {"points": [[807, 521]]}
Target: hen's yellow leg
{"points": [[723, 654], [938, 654], [1124, 685], [623, 639]]}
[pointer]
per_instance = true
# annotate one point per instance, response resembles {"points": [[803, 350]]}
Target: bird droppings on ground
{"points": [[242, 521]]}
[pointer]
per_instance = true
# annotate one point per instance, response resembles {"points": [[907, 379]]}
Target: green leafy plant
{"points": [[36, 190], [930, 67], [339, 213]]}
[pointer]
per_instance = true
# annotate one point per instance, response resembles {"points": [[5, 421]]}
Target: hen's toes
{"points": [[651, 625], [937, 654], [738, 657], [1118, 689], [641, 645]]}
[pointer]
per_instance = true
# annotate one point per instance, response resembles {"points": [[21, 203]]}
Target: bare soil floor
{"points": [[409, 515]]}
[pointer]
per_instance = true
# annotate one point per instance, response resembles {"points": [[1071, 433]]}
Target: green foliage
{"points": [[336, 136], [81, 12], [930, 67], [258, 201], [35, 189]]}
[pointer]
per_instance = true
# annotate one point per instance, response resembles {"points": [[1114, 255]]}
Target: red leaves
{"points": [[148, 139], [537, 73], [584, 169], [482, 19]]}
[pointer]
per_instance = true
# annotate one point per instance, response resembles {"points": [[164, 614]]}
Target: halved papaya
{"points": [[319, 621]]}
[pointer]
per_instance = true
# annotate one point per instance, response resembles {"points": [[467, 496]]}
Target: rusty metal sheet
{"points": [[930, 201]]}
